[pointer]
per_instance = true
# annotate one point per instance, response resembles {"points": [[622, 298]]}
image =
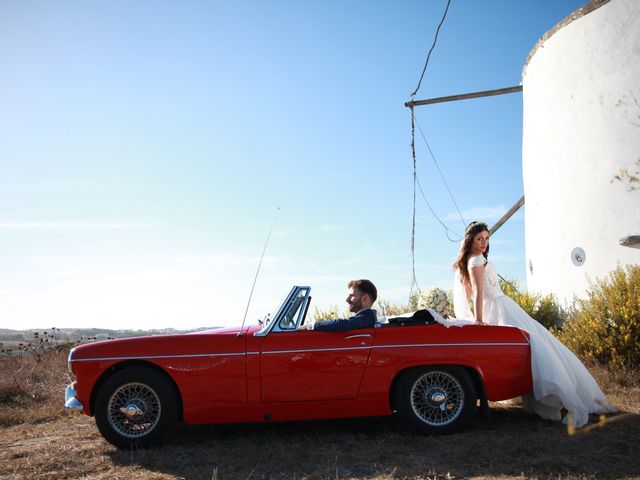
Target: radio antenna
{"points": [[257, 272]]}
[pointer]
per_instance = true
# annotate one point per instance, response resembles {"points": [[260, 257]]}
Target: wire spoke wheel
{"points": [[134, 410], [136, 407], [437, 398]]}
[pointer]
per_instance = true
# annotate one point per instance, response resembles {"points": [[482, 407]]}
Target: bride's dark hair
{"points": [[473, 229]]}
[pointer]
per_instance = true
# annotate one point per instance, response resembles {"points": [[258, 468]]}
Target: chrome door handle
{"points": [[360, 335]]}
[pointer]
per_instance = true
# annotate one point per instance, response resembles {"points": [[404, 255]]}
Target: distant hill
{"points": [[62, 335]]}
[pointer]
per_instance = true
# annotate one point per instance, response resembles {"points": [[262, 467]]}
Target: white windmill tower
{"points": [[581, 127], [581, 94]]}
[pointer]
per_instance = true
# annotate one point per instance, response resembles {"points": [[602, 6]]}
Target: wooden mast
{"points": [[467, 96]]}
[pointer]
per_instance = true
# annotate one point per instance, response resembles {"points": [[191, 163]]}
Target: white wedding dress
{"points": [[560, 380]]}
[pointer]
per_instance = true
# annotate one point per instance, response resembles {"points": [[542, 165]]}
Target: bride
{"points": [[560, 380]]}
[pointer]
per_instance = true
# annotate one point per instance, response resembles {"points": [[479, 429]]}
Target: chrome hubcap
{"points": [[439, 399], [132, 411]]}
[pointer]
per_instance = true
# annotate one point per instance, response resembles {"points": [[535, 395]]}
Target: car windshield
{"points": [[289, 311], [293, 311]]}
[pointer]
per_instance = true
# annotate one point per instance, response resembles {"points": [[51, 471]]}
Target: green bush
{"points": [[382, 306], [331, 314], [389, 309], [606, 325], [544, 309]]}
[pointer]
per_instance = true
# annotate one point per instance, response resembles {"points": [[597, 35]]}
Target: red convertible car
{"points": [[431, 375]]}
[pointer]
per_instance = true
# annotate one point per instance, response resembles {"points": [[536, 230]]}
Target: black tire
{"points": [[136, 408], [435, 400]]}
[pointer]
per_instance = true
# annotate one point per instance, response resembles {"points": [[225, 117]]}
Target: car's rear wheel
{"points": [[135, 407], [435, 400]]}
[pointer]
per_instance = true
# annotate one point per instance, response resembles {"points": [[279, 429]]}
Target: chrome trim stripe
{"points": [[392, 346], [315, 350], [147, 357], [235, 354], [510, 344]]}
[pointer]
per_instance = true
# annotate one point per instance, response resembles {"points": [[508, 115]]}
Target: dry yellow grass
{"points": [[30, 386], [39, 440]]}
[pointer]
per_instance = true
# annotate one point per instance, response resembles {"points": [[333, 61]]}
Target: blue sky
{"points": [[145, 147]]}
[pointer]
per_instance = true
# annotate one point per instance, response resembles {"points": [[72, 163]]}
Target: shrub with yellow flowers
{"points": [[605, 326]]}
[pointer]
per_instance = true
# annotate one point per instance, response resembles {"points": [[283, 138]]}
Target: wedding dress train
{"points": [[560, 380]]}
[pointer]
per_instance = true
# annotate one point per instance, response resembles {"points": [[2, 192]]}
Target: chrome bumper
{"points": [[70, 400]]}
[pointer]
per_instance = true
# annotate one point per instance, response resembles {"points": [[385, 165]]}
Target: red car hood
{"points": [[207, 342]]}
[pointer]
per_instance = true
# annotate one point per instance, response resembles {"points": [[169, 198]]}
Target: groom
{"points": [[362, 295]]}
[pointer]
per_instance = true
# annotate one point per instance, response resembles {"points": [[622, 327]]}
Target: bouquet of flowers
{"points": [[435, 298]]}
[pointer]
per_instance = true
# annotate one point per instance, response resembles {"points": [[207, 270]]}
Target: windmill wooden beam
{"points": [[507, 216], [464, 96]]}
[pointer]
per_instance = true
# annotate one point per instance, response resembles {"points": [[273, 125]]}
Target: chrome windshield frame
{"points": [[283, 310]]}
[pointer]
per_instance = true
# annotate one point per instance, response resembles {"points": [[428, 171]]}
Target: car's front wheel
{"points": [[435, 400], [135, 407]]}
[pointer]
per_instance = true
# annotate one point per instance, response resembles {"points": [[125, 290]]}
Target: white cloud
{"points": [[74, 225], [480, 213], [231, 260], [53, 187], [178, 291], [329, 228], [484, 213], [353, 260], [141, 293]]}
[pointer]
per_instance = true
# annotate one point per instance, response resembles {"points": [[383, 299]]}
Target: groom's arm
{"points": [[365, 319]]}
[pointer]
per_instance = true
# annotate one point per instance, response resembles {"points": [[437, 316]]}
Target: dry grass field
{"points": [[39, 440]]}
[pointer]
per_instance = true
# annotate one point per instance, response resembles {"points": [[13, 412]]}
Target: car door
{"points": [[313, 366]]}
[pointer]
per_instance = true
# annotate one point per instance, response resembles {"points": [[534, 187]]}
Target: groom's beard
{"points": [[355, 307]]}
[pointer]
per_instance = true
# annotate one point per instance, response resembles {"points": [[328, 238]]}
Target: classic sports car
{"points": [[431, 375]]}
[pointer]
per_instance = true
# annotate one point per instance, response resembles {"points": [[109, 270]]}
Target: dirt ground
{"points": [[39, 440]]}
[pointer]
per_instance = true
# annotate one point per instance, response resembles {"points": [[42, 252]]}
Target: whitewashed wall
{"points": [[581, 93]]}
